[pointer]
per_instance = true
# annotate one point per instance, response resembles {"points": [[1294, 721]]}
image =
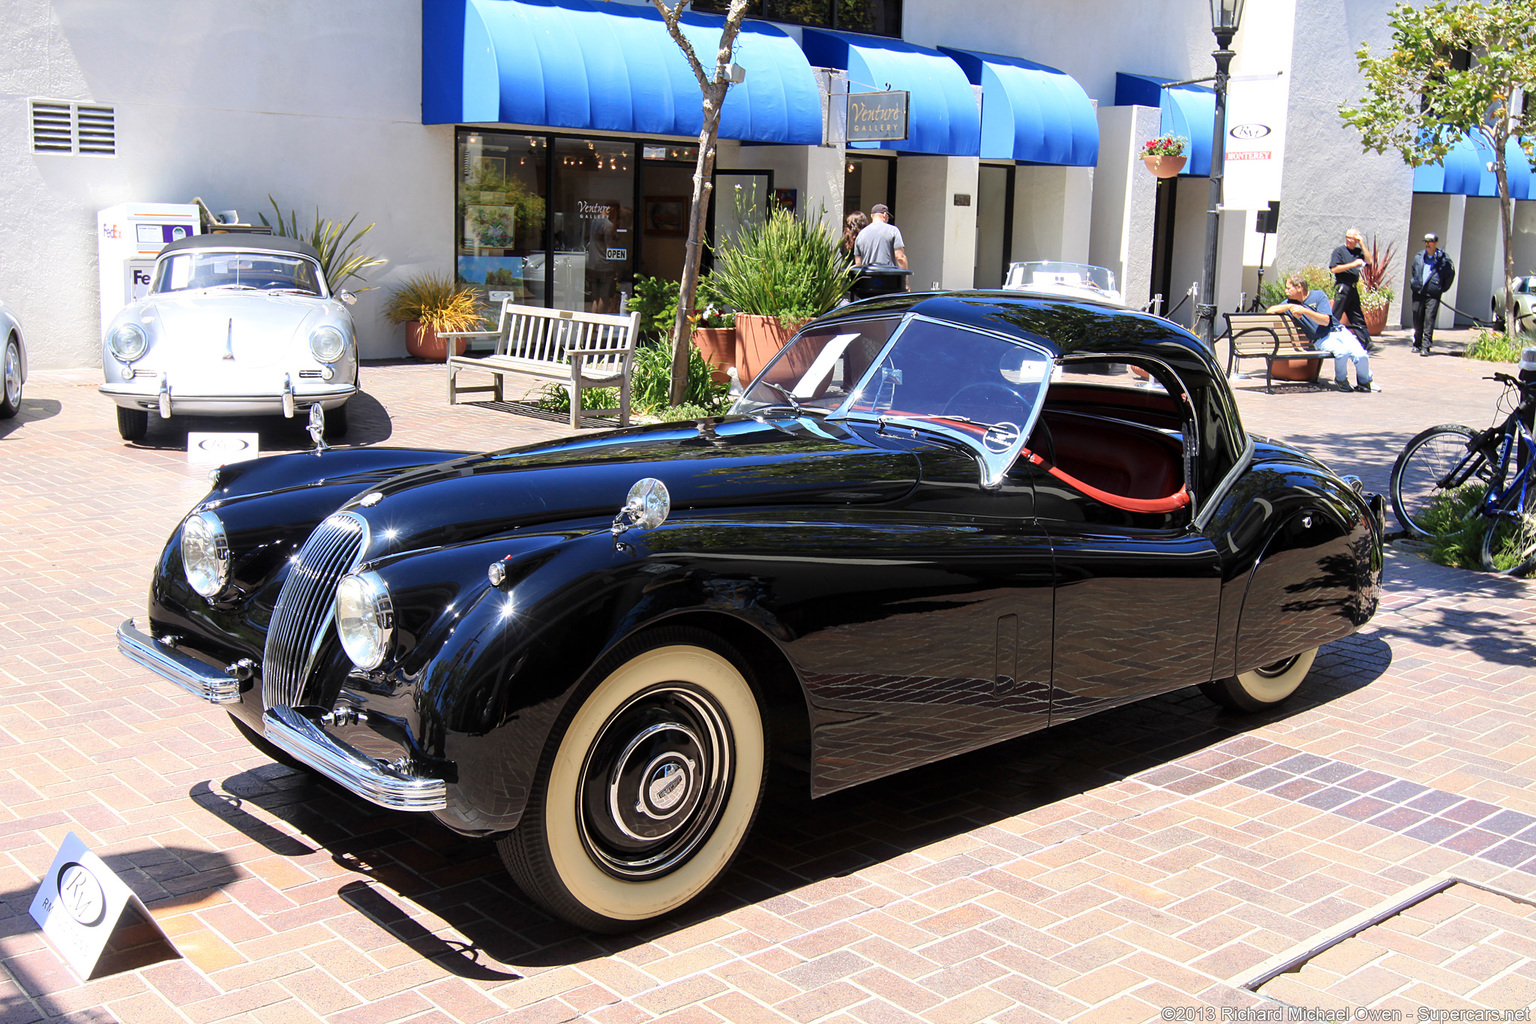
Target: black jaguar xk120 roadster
{"points": [[934, 522]]}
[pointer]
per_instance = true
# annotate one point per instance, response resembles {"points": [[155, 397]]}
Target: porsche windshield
{"points": [[249, 271]]}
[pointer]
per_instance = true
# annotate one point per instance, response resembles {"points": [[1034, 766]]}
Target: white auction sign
{"points": [[1255, 144], [218, 449], [79, 904]]}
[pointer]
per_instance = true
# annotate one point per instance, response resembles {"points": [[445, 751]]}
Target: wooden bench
{"points": [[1267, 336], [581, 350]]}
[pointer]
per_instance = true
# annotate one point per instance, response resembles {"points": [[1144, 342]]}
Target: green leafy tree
{"points": [[713, 83], [1452, 70]]}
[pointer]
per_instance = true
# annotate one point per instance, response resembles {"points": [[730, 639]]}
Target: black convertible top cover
{"points": [[243, 241]]}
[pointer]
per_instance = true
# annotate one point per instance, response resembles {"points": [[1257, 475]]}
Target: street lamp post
{"points": [[1225, 16]]}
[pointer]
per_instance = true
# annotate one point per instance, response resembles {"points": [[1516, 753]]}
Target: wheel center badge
{"points": [[667, 787]]}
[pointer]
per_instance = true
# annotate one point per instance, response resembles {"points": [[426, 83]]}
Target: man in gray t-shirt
{"points": [[880, 244]]}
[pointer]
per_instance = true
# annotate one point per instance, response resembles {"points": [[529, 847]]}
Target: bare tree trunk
{"points": [[714, 87], [1506, 224], [703, 187]]}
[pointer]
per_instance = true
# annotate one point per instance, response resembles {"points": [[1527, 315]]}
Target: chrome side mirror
{"points": [[646, 506], [347, 297]]}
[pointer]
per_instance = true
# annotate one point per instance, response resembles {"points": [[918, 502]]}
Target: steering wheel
{"points": [[987, 403]]}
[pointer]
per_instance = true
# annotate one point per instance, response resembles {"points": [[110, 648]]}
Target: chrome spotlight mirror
{"points": [[646, 506], [317, 427]]}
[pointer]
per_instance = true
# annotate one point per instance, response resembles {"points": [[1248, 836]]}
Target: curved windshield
{"points": [[1074, 280], [819, 368], [249, 271]]}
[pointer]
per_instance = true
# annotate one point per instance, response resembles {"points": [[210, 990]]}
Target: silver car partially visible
{"points": [[233, 325], [13, 363]]}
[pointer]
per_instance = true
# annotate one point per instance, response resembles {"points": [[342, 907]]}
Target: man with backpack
{"points": [[1433, 275]]}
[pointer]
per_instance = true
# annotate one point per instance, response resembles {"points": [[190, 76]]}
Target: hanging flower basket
{"points": [[1165, 166], [1165, 155]]}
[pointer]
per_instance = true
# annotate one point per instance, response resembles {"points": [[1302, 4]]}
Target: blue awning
{"points": [[1188, 111], [1029, 112], [1464, 171], [941, 108], [586, 64]]}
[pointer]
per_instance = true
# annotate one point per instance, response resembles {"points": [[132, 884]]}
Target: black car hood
{"points": [[737, 463]]}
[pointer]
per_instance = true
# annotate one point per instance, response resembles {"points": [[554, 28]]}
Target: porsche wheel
{"points": [[132, 424], [10, 397], [645, 794], [1264, 687]]}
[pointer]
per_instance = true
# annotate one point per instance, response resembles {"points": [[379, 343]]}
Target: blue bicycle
{"points": [[1451, 479]]}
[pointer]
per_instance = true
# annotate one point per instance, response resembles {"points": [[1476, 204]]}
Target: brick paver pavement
{"points": [[1160, 855]]}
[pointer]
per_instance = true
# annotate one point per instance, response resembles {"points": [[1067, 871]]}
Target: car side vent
{"points": [[62, 127]]}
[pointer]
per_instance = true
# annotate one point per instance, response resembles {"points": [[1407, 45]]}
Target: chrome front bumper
{"points": [[188, 673], [380, 783], [388, 785]]}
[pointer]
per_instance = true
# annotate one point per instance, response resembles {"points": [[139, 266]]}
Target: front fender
{"points": [[482, 684]]}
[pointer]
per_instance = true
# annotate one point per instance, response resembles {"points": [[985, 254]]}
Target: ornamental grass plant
{"points": [[339, 255], [780, 265], [437, 302]]}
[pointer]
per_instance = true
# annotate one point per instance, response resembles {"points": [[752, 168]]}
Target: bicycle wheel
{"points": [[1435, 456], [1509, 543]]}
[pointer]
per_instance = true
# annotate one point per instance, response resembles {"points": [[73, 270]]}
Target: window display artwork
{"points": [[490, 227]]}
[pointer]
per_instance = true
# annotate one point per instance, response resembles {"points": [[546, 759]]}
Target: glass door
{"points": [[592, 224]]}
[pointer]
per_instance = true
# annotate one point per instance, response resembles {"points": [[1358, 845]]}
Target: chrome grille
{"points": [[306, 605]]}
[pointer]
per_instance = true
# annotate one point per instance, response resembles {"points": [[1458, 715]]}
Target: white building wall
{"points": [[313, 104], [1480, 267], [1052, 211], [940, 236], [1524, 242], [1124, 203], [1330, 184]]}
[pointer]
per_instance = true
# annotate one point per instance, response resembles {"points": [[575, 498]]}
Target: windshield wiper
{"points": [[788, 397]]}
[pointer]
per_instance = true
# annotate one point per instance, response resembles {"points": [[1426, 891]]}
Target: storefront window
{"points": [[877, 17], [500, 214], [592, 220]]}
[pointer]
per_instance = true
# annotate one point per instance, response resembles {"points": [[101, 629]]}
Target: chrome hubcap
{"points": [[654, 782], [1278, 668], [12, 374]]}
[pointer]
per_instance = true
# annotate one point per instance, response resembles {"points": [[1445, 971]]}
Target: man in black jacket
{"points": [[1345, 265], [1432, 275]]}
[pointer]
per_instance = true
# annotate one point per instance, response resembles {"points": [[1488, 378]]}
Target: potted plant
{"points": [[430, 304], [1375, 295], [779, 271], [1165, 155]]}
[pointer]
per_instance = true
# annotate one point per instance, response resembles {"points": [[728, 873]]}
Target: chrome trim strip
{"points": [[186, 672], [372, 780], [163, 400]]}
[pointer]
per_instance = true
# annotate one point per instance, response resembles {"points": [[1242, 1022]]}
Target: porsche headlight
{"points": [[127, 342], [205, 553], [327, 343], [365, 618]]}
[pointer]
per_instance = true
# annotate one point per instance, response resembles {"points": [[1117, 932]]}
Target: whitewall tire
{"points": [[644, 797], [1262, 688]]}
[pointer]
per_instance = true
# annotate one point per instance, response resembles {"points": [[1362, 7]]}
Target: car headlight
{"points": [[205, 553], [127, 342], [365, 618], [327, 343]]}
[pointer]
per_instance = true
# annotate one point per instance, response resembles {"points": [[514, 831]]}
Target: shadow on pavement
{"points": [[31, 410], [796, 842]]}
